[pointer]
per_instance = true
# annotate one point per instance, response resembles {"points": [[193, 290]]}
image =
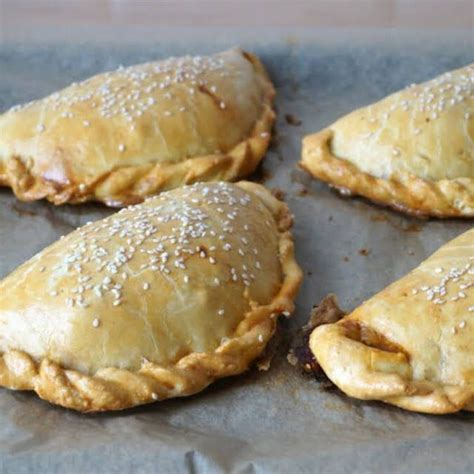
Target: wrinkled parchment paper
{"points": [[280, 420]]}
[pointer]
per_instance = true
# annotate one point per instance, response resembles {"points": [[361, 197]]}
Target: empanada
{"points": [[411, 345], [154, 302], [124, 135], [413, 151]]}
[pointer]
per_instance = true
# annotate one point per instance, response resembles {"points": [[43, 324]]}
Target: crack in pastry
{"points": [[412, 151], [411, 345], [156, 301], [121, 136]]}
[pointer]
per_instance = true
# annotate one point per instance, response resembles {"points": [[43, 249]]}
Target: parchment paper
{"points": [[280, 420]]}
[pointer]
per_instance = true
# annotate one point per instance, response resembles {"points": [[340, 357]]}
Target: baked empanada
{"points": [[413, 151], [411, 345], [154, 302], [124, 135]]}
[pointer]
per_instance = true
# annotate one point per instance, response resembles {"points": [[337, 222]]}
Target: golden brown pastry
{"points": [[413, 151], [154, 302], [411, 345], [124, 135]]}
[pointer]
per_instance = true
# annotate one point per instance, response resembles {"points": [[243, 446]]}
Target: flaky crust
{"points": [[220, 131], [112, 388], [412, 344], [412, 151]]}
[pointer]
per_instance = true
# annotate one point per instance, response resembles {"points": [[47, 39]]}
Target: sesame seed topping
{"points": [[260, 338], [121, 147], [154, 396], [221, 312], [454, 279], [156, 242], [96, 323]]}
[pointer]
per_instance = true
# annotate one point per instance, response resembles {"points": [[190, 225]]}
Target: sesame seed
{"points": [[154, 396], [96, 323], [260, 338], [40, 128], [162, 236]]}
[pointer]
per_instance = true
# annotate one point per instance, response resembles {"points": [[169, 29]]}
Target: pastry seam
{"points": [[406, 193]]}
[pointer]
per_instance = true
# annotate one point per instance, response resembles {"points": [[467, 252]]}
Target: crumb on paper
{"points": [[302, 191], [278, 193], [292, 120], [364, 252]]}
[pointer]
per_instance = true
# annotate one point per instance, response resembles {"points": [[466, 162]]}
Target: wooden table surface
{"points": [[33, 20]]}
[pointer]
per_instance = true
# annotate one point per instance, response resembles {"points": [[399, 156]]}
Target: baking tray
{"points": [[278, 420]]}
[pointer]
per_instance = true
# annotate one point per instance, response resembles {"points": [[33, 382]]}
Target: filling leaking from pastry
{"points": [[411, 344]]}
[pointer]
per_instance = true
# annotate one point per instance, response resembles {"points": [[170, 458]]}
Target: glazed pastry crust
{"points": [[411, 344], [206, 125], [115, 388], [408, 151]]}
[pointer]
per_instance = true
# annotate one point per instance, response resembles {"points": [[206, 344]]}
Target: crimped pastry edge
{"points": [[132, 184], [406, 193], [116, 389], [358, 379]]}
